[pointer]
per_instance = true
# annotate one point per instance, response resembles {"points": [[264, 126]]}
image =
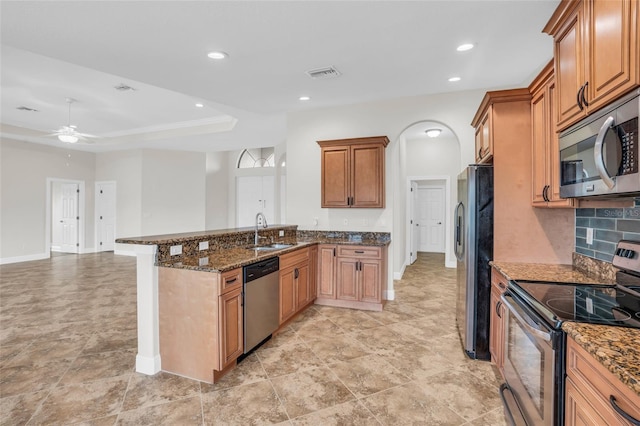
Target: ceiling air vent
{"points": [[123, 88], [322, 73], [24, 108]]}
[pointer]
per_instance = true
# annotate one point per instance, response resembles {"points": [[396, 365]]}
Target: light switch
{"points": [[175, 250], [203, 245]]}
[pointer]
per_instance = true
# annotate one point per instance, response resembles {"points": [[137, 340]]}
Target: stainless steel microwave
{"points": [[599, 155]]}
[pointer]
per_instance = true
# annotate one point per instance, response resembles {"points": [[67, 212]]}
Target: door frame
{"points": [[48, 215], [413, 243], [449, 260], [96, 218]]}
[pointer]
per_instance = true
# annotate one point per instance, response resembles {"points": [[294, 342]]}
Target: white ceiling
{"points": [[53, 50]]}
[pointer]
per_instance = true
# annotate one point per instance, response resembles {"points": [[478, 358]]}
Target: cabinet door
{"points": [[370, 281], [301, 276], [326, 271], [578, 411], [569, 68], [367, 188], [313, 272], [347, 279], [496, 336], [540, 136], [335, 176], [612, 50], [231, 337], [287, 293]]}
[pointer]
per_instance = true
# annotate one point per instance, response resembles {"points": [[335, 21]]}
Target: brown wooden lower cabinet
{"points": [[201, 325], [590, 388], [352, 276], [497, 325], [295, 282]]}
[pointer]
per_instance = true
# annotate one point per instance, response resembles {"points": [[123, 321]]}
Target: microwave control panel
{"points": [[628, 132]]}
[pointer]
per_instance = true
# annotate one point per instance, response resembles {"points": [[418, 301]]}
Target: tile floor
{"points": [[68, 345]]}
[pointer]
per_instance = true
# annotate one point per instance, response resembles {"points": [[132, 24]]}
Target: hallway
{"points": [[68, 346]]}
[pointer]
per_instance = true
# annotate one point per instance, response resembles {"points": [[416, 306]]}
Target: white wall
{"points": [[217, 190], [389, 118], [24, 170], [173, 191], [125, 168]]}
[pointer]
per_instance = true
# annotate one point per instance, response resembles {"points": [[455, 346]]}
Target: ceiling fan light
{"points": [[68, 138], [433, 133]]}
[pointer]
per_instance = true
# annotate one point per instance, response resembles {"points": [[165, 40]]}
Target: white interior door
{"points": [[106, 216], [69, 217], [413, 222], [254, 194], [431, 208]]}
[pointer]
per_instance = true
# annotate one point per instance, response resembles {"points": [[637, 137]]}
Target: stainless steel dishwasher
{"points": [[261, 301]]}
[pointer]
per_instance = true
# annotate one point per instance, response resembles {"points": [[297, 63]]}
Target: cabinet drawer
{"points": [[293, 258], [498, 280], [230, 280], [598, 384], [371, 252]]}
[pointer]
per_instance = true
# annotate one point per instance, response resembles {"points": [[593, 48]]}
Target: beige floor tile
{"points": [[351, 413], [409, 405], [287, 359], [308, 391], [90, 367], [82, 402], [368, 375], [112, 340], [340, 347], [254, 403], [145, 391], [183, 412], [319, 326], [249, 370], [18, 409], [45, 350], [493, 418], [31, 376]]}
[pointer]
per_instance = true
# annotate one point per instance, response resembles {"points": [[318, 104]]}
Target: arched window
{"points": [[256, 157]]}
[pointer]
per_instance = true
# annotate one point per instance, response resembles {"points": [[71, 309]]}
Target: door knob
{"points": [[439, 223]]}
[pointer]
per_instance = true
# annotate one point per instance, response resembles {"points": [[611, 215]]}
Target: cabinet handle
{"points": [[334, 252], [579, 98], [584, 98], [231, 281], [502, 286], [545, 193], [480, 152], [296, 273], [498, 305], [360, 251], [627, 416]]}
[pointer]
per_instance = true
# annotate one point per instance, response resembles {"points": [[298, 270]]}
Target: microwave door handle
{"points": [[598, 156], [536, 332]]}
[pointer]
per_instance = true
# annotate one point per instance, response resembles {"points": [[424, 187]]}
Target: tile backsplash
{"points": [[609, 225]]}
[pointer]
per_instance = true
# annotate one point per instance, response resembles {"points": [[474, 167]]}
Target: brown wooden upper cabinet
{"points": [[596, 56], [545, 153], [353, 172]]}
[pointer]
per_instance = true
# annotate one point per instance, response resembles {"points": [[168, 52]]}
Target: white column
{"points": [[148, 358]]}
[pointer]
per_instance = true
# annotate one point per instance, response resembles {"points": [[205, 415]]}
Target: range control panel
{"points": [[627, 255]]}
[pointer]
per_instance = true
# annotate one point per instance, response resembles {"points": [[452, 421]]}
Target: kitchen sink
{"points": [[271, 247]]}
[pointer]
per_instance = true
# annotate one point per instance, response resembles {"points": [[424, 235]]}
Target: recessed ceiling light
{"points": [[199, 105], [464, 47], [433, 133], [217, 55], [304, 98], [453, 79]]}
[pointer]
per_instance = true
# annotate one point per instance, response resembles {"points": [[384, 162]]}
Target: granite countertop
{"points": [[221, 260], [546, 272], [187, 236], [616, 348]]}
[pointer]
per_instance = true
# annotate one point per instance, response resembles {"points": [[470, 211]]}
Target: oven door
{"points": [[529, 366]]}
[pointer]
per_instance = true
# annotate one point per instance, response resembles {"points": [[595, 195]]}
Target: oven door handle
{"points": [[598, 155], [531, 329]]}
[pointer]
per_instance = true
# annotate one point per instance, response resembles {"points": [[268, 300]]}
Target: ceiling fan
{"points": [[68, 133]]}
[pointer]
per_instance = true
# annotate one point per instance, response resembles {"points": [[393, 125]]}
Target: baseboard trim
{"points": [[148, 365], [125, 252], [389, 295], [26, 258], [398, 275], [451, 264]]}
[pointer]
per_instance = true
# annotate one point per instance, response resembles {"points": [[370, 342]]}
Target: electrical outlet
{"points": [[203, 245], [203, 261], [281, 233], [589, 236], [175, 250]]}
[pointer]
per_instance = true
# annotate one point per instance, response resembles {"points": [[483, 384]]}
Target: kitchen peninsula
{"points": [[347, 269]]}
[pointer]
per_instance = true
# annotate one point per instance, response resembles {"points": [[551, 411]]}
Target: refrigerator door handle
{"points": [[459, 218]]}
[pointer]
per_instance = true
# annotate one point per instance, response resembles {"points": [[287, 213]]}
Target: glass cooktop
{"points": [[592, 303]]}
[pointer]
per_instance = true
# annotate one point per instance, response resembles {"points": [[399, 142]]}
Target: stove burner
{"points": [[562, 305]]}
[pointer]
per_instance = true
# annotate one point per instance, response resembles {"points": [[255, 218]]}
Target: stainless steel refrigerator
{"points": [[474, 249]]}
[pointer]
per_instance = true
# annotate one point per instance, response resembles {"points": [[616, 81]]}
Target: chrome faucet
{"points": [[264, 225]]}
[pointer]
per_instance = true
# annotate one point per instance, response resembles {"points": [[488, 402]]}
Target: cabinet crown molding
{"points": [[356, 141], [498, 96], [559, 16]]}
